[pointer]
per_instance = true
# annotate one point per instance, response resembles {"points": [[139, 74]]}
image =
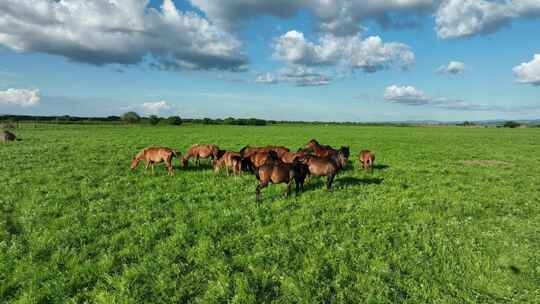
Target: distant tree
{"points": [[229, 121], [131, 117], [468, 123], [511, 124], [153, 120], [174, 120]]}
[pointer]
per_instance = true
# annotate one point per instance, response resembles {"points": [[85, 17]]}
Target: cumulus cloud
{"points": [[464, 18], [453, 67], [339, 17], [369, 55], [297, 75], [155, 108], [529, 72], [409, 95], [20, 97], [406, 95], [118, 32]]}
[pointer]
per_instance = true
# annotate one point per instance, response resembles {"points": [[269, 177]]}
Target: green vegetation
{"points": [[131, 117], [153, 120], [174, 120], [449, 215]]}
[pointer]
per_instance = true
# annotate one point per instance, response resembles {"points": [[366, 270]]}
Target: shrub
{"points": [[174, 120], [131, 117], [153, 120], [511, 124]]}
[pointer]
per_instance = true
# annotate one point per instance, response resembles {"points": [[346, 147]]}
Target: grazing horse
{"points": [[325, 166], [277, 172], [153, 155], [7, 136], [200, 151], [325, 150], [228, 159], [366, 159], [247, 151]]}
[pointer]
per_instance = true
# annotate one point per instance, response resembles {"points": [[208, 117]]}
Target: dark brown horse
{"points": [[154, 155], [277, 172], [228, 159], [366, 159], [199, 151], [325, 166]]}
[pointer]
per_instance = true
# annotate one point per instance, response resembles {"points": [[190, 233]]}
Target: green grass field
{"points": [[425, 227]]}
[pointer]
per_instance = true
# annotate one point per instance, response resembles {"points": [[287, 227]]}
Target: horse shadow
{"points": [[193, 167]]}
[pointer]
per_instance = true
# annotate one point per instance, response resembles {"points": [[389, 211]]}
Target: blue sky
{"points": [[385, 60]]}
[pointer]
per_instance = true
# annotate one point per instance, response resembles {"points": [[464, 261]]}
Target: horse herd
{"points": [[270, 164]]}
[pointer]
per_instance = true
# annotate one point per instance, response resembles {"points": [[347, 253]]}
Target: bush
{"points": [[511, 124], [153, 120], [131, 117], [174, 120]]}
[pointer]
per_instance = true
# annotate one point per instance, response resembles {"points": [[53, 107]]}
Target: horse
{"points": [[7, 136], [230, 160], [325, 166], [254, 160], [248, 151], [153, 155], [289, 157], [366, 159], [325, 150], [277, 172], [200, 151]]}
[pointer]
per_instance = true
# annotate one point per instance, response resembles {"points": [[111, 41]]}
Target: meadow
{"points": [[449, 215]]}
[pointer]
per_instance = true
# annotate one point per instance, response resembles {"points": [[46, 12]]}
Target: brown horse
{"points": [[154, 155], [325, 166], [247, 151], [7, 136], [325, 150], [254, 160], [200, 151], [277, 172], [366, 159], [289, 157], [228, 159]]}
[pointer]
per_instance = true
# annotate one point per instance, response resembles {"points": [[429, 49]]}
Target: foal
{"points": [[200, 151], [231, 160], [366, 159], [277, 172], [153, 155]]}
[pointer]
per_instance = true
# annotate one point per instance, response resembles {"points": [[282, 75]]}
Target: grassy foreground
{"points": [[451, 215]]}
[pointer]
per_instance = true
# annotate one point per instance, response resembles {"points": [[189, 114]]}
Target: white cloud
{"points": [[529, 72], [268, 78], [298, 75], [405, 94], [463, 18], [155, 108], [20, 97], [369, 55], [118, 32], [453, 67], [409, 95]]}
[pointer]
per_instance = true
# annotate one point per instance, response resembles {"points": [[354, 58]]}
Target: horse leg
{"points": [[146, 166], [170, 167], [288, 191], [260, 186], [329, 182], [152, 166]]}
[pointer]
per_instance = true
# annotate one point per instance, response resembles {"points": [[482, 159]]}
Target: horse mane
{"points": [[243, 149]]}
